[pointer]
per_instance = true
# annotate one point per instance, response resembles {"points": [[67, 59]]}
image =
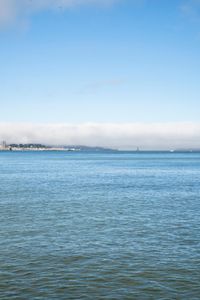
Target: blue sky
{"points": [[101, 62], [130, 61]]}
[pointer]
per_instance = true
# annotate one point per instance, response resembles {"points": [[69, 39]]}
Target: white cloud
{"points": [[121, 136], [11, 10]]}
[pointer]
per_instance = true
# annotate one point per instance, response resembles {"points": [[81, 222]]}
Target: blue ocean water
{"points": [[98, 225]]}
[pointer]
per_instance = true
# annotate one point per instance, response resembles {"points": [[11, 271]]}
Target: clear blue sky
{"points": [[132, 61]]}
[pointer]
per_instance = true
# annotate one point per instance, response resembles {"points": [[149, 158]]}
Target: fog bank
{"points": [[128, 136]]}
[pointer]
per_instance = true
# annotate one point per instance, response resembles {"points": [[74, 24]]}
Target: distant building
{"points": [[3, 145]]}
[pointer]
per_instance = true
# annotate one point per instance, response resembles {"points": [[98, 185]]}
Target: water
{"points": [[99, 225]]}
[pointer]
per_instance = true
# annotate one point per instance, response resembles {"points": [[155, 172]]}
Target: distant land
{"points": [[41, 147]]}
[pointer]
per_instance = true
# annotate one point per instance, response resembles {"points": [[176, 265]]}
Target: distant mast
{"points": [[138, 149]]}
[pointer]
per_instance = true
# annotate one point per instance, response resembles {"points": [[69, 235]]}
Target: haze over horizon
{"points": [[112, 73], [127, 136]]}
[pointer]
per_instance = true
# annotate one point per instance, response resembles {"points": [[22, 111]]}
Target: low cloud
{"points": [[12, 10], [121, 136]]}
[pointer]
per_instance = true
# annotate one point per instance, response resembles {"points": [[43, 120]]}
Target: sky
{"points": [[121, 73]]}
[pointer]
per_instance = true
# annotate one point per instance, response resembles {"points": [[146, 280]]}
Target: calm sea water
{"points": [[99, 225]]}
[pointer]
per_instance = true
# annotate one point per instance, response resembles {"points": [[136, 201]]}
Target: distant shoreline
{"points": [[101, 151], [40, 147]]}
